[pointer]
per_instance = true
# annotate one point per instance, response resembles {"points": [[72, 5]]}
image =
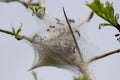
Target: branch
{"points": [[43, 10], [26, 3], [7, 0], [86, 20], [103, 55], [20, 36], [81, 57]]}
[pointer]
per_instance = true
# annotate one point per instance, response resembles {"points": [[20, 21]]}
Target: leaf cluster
{"points": [[105, 11], [16, 32], [36, 10]]}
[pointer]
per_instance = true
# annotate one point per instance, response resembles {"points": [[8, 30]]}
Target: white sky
{"points": [[16, 57]]}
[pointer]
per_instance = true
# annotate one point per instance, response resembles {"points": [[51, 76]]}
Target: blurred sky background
{"points": [[16, 57]]}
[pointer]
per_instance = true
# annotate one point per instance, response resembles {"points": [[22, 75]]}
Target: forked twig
{"points": [[81, 57], [20, 36], [103, 55]]}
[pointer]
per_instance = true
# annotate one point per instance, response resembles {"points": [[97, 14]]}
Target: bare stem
{"points": [[83, 65], [81, 57], [25, 3], [103, 55]]}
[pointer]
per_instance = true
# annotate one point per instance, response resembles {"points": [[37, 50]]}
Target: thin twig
{"points": [[81, 57], [86, 20], [25, 3], [20, 36], [103, 55]]}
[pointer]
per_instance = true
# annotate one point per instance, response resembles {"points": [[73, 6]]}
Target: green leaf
{"points": [[105, 11], [34, 75], [17, 33], [13, 30], [81, 78]]}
